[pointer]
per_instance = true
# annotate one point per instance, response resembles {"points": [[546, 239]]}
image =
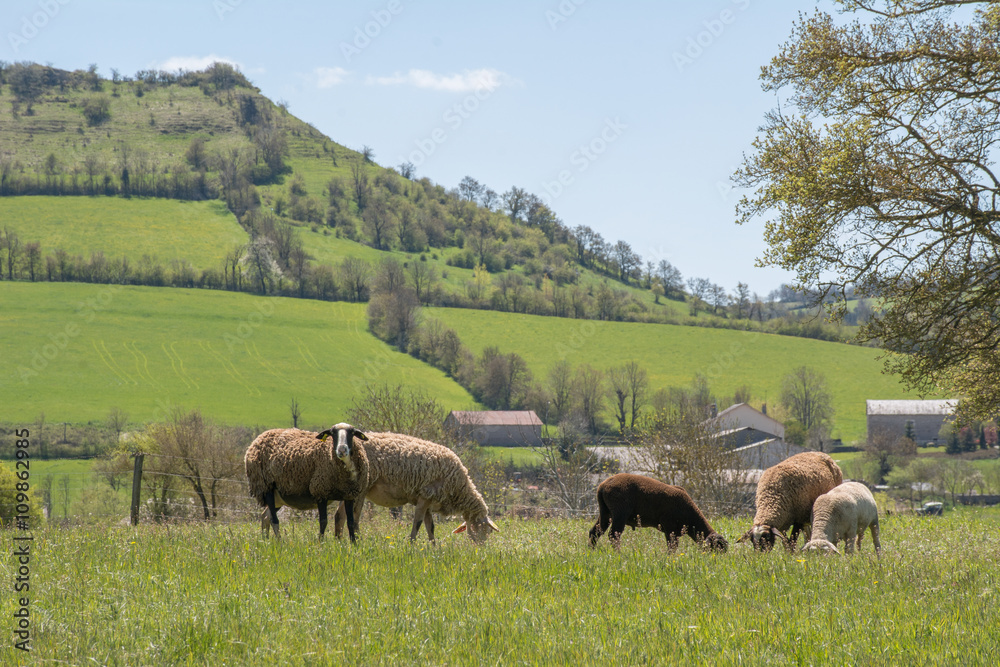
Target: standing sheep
{"points": [[785, 496], [286, 466], [843, 513], [404, 469], [643, 502]]}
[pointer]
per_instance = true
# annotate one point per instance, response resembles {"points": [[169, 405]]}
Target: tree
{"points": [[627, 388], [502, 380], [470, 189], [589, 395], [296, 411], [354, 276], [117, 421], [560, 390], [627, 260], [671, 279], [888, 450], [808, 401], [878, 173], [515, 201]]}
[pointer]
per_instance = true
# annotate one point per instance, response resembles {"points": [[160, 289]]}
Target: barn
{"points": [[497, 428], [925, 417]]}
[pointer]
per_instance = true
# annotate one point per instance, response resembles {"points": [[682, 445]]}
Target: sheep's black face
{"points": [[716, 542]]}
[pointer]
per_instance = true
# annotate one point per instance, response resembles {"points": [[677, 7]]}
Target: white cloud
{"points": [[193, 63], [327, 77], [468, 80]]}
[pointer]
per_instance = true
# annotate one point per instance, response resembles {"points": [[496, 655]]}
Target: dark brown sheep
{"points": [[643, 502]]}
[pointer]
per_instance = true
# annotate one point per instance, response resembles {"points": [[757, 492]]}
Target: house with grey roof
{"points": [[497, 428], [924, 417]]}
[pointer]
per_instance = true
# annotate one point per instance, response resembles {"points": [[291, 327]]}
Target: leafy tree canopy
{"points": [[878, 170]]}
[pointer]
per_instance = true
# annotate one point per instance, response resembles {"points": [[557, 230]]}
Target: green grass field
{"points": [[533, 594], [74, 351], [166, 229], [673, 355]]}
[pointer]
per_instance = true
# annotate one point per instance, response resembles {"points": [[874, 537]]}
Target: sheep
{"points": [[297, 468], [785, 496], [844, 513], [404, 469], [637, 501]]}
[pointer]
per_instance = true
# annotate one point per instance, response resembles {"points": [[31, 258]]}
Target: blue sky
{"points": [[628, 117]]}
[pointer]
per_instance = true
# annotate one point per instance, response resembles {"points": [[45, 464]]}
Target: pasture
{"points": [[534, 593], [74, 351], [202, 233], [673, 355]]}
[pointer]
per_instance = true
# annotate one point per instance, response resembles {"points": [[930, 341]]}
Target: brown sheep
{"points": [[286, 466], [785, 496], [643, 502]]}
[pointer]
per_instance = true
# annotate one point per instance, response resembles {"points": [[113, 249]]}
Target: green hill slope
{"points": [[673, 355], [74, 351], [166, 229]]}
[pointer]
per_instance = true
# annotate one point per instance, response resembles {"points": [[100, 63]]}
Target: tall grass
{"points": [[533, 594]]}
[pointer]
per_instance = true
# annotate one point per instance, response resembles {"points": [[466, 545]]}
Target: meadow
{"points": [[533, 594], [74, 351], [672, 355], [202, 233]]}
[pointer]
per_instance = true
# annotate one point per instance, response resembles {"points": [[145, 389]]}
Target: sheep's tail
{"points": [[256, 481]]}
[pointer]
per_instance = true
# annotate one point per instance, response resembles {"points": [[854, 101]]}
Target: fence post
{"points": [[136, 488]]}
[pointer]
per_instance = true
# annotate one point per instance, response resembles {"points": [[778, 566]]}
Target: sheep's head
{"points": [[716, 542], [345, 434], [821, 546], [762, 537], [478, 529]]}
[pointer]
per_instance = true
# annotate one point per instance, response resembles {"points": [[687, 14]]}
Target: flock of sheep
{"points": [[300, 469]]}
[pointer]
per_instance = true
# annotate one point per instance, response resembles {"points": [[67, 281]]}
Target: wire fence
{"points": [[166, 492]]}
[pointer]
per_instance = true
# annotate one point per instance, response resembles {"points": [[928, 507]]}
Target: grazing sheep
{"points": [[643, 502], [286, 466], [404, 469], [843, 513], [785, 496]]}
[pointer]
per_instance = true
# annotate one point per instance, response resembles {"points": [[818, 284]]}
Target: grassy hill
{"points": [[165, 229], [74, 351], [673, 355]]}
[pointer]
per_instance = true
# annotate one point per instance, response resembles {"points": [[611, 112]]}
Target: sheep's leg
{"points": [[321, 506], [849, 542], [429, 524], [273, 511], [671, 541], [351, 521], [418, 516], [793, 538], [878, 545], [265, 522], [602, 523], [618, 523], [338, 520]]}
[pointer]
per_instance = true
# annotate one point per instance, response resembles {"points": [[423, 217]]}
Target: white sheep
{"points": [[287, 466], [843, 513], [785, 496], [407, 470]]}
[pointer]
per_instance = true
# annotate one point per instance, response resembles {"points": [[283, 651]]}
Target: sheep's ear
{"points": [[323, 435], [460, 529], [360, 435], [492, 525]]}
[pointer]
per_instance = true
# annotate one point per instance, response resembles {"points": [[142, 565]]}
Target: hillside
{"points": [[73, 351], [673, 355], [308, 202]]}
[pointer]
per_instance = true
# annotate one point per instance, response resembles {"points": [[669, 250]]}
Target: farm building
{"points": [[740, 425], [766, 453], [498, 428], [926, 417]]}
